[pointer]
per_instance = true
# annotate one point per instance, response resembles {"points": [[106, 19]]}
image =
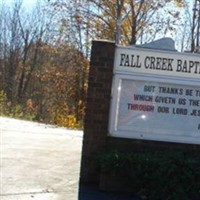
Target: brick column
{"points": [[97, 110]]}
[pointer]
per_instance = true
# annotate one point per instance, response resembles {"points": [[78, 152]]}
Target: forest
{"points": [[45, 49]]}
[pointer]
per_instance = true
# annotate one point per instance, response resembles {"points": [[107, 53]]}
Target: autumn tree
{"points": [[131, 21], [59, 85], [20, 32], [43, 67]]}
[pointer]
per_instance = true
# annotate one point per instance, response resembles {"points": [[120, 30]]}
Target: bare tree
{"points": [[195, 29], [21, 32]]}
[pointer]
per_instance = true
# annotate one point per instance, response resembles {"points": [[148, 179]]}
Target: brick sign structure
{"points": [[139, 100]]}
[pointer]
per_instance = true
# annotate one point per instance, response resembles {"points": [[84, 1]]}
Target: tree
{"points": [[73, 23], [59, 90], [195, 28], [133, 19], [44, 56], [22, 33], [41, 68]]}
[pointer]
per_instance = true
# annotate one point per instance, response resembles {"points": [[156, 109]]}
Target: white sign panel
{"points": [[155, 104], [157, 62]]}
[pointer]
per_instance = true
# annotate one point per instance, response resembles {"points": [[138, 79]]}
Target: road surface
{"points": [[38, 161]]}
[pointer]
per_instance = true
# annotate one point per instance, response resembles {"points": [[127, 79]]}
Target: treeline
{"points": [[43, 75], [44, 51]]}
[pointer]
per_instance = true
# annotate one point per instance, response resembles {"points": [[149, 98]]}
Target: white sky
{"points": [[26, 3]]}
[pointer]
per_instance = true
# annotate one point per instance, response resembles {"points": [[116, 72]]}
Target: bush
{"points": [[3, 102], [167, 175], [16, 110], [66, 121]]}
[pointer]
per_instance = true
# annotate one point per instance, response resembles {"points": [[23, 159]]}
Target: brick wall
{"points": [[97, 110]]}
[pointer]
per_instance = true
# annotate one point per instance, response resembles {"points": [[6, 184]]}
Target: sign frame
{"points": [[133, 74]]}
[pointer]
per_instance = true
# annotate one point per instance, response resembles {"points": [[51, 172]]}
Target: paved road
{"points": [[42, 162], [38, 161]]}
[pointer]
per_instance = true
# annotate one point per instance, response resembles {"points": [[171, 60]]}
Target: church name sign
{"points": [[156, 96]]}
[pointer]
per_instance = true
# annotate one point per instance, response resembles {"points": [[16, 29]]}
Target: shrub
{"points": [[16, 110], [66, 121], [166, 175], [3, 102]]}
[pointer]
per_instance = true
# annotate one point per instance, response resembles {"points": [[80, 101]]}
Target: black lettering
{"points": [[126, 62], [146, 62], [166, 100], [196, 67], [188, 66], [181, 101], [194, 102], [143, 97], [197, 93], [170, 90], [130, 60], [164, 64], [189, 92], [179, 65], [122, 59], [149, 88], [195, 113], [170, 68], [138, 64], [159, 63], [179, 111], [191, 65], [184, 68], [180, 91], [152, 65], [163, 109]]}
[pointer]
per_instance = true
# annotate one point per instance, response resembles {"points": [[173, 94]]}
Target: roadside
{"points": [[39, 161]]}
